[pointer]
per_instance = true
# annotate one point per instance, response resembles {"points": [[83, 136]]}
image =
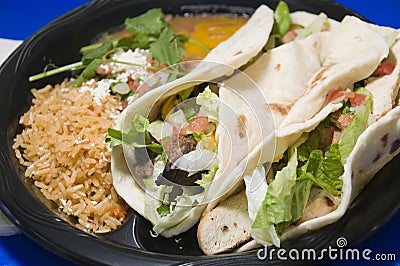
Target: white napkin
{"points": [[6, 47]]}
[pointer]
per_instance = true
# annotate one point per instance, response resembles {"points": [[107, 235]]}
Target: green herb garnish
{"points": [[150, 31]]}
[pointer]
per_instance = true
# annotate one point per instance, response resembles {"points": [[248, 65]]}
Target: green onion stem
{"points": [[90, 47], [80, 64], [199, 44], [54, 71]]}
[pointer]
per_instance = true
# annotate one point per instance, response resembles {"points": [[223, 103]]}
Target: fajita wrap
{"points": [[326, 109], [192, 129]]}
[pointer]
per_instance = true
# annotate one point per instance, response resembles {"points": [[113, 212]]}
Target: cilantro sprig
{"points": [[149, 31]]}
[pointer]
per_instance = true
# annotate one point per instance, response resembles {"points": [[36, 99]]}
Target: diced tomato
{"points": [[345, 119], [124, 105], [198, 124], [357, 99], [385, 68], [132, 84], [142, 89], [290, 35], [336, 95]]}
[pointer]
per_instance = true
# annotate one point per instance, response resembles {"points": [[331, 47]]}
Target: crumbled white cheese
{"points": [[98, 91], [139, 57], [122, 72]]}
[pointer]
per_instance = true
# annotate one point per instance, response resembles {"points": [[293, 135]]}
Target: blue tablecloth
{"points": [[20, 18]]}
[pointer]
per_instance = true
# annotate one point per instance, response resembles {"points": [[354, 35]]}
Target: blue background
{"points": [[19, 19]]}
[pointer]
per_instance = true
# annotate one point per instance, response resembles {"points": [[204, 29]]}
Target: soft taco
{"points": [[191, 131], [324, 116]]}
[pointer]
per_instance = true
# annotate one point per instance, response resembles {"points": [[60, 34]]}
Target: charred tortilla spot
{"points": [[384, 140], [280, 108], [359, 38], [238, 53], [317, 78], [242, 121], [395, 146], [224, 228], [377, 157], [277, 67]]}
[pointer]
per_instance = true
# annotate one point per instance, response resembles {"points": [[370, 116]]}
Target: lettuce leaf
{"points": [[276, 206], [282, 18], [207, 178], [357, 126], [288, 194], [137, 135], [326, 171], [209, 103], [318, 25], [301, 193]]}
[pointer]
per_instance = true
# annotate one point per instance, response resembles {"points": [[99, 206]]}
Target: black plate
{"points": [[59, 42]]}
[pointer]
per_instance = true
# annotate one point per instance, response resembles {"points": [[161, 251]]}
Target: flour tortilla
{"points": [[320, 78], [304, 18], [377, 145], [222, 60], [384, 89], [352, 52]]}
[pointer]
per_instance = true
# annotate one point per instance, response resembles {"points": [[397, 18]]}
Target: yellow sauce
{"points": [[209, 30]]}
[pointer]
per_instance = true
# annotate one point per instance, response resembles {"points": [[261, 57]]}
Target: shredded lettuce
{"points": [[136, 136], [325, 171], [276, 206], [301, 193], [357, 126], [288, 194], [163, 210], [176, 118], [207, 178], [256, 189], [209, 103], [183, 207], [319, 24], [282, 18], [139, 123], [160, 130]]}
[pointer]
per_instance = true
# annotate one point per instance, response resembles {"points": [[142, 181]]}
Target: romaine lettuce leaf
{"points": [[209, 103], [318, 25], [301, 193], [357, 126], [325, 171], [276, 206], [207, 178], [282, 18], [256, 189], [137, 135]]}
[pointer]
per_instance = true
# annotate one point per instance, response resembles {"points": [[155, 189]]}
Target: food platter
{"points": [[131, 243]]}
